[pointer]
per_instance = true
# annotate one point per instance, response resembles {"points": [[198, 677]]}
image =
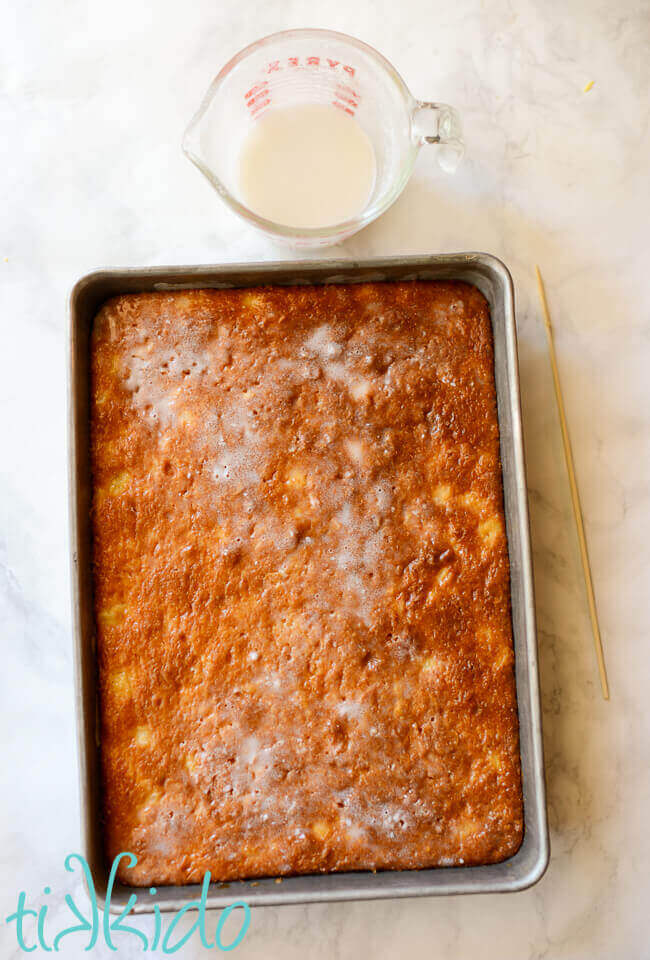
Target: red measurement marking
{"points": [[348, 95], [255, 100], [259, 106], [259, 92], [257, 97], [257, 88], [345, 98]]}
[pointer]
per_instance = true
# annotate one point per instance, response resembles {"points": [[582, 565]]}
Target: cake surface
{"points": [[301, 582]]}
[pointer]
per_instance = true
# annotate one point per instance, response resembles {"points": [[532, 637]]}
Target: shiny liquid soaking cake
{"points": [[301, 582]]}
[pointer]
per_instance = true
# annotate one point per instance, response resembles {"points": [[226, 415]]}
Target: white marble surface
{"points": [[93, 98]]}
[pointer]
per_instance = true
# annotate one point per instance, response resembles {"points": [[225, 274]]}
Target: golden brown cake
{"points": [[301, 582]]}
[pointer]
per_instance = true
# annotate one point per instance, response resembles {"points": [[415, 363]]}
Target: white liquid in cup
{"points": [[308, 165]]}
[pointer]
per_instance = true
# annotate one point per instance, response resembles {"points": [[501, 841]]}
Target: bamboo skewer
{"points": [[575, 498]]}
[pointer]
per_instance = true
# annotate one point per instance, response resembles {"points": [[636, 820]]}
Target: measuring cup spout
{"points": [[439, 124]]}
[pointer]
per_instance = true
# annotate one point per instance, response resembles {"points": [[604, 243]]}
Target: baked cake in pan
{"points": [[301, 582]]}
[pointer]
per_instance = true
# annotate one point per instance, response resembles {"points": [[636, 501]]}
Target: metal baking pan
{"points": [[494, 281]]}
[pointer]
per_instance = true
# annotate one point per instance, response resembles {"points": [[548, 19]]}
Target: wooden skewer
{"points": [[575, 498]]}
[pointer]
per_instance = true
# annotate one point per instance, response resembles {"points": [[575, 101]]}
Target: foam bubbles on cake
{"points": [[360, 557], [337, 361], [350, 709], [322, 344], [155, 378]]}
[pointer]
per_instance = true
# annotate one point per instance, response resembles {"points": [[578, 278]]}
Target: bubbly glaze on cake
{"points": [[301, 582]]}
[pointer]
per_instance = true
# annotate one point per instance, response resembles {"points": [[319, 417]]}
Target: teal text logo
{"points": [[31, 924]]}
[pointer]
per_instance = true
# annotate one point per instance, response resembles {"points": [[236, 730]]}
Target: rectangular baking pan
{"points": [[494, 281]]}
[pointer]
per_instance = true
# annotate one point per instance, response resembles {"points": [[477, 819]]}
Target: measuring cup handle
{"points": [[439, 124]]}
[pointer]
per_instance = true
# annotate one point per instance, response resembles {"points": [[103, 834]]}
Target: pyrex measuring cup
{"points": [[323, 67]]}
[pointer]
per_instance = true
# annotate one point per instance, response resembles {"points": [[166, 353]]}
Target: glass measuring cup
{"points": [[318, 67]]}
